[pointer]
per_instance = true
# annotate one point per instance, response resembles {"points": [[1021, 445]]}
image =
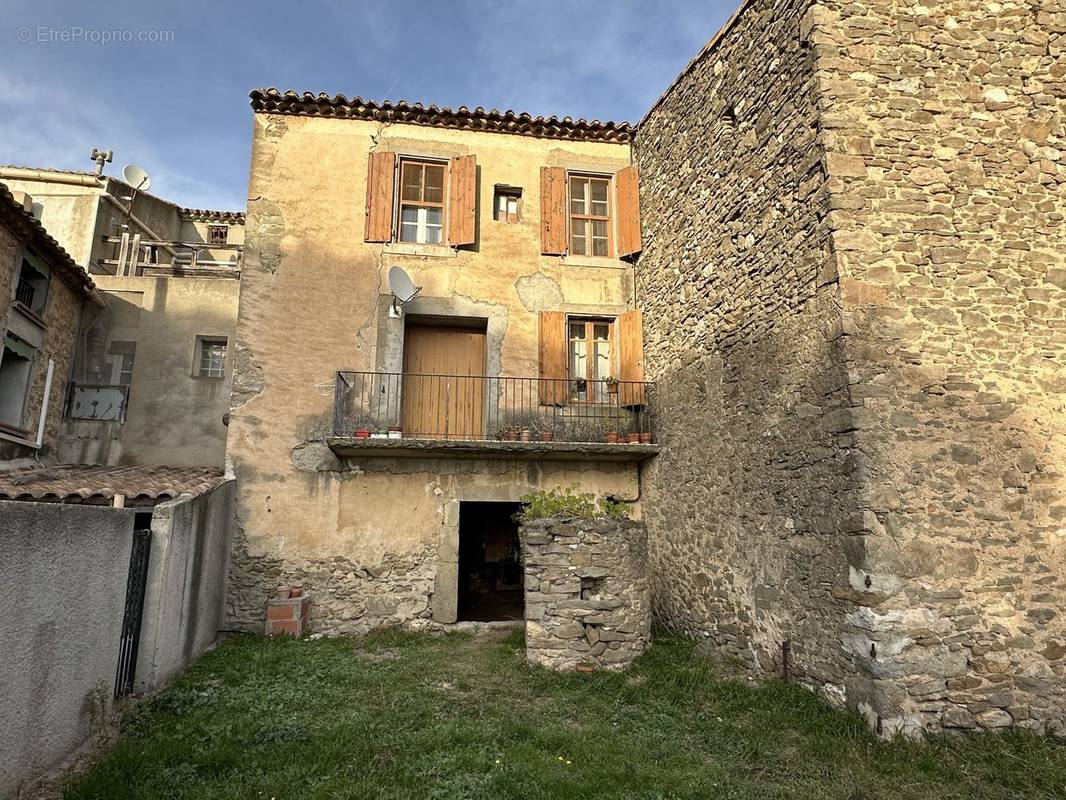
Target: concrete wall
{"points": [[751, 505], [946, 137], [184, 600], [64, 572], [375, 540], [174, 416], [55, 341]]}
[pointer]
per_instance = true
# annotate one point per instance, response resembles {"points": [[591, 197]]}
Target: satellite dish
{"points": [[136, 177], [403, 290]]}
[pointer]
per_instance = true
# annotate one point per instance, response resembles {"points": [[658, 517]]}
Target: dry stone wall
{"points": [[860, 350], [587, 592]]}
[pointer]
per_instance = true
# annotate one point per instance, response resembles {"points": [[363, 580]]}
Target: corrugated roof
{"points": [[28, 228], [208, 215], [272, 101], [81, 483]]}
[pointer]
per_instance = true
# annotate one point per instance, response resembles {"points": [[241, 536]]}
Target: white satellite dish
{"points": [[136, 177], [403, 290]]}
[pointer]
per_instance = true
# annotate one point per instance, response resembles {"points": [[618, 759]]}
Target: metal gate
{"points": [[131, 619]]}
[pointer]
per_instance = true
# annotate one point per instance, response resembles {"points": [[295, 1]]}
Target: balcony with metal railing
{"points": [[479, 416]]}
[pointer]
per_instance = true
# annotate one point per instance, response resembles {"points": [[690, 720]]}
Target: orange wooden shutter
{"points": [[462, 200], [553, 211], [631, 358], [628, 203], [553, 352], [379, 177]]}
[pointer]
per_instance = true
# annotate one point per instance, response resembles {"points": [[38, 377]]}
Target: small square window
{"points": [[217, 234], [210, 357], [507, 204]]}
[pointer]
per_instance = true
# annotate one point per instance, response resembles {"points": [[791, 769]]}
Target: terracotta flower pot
{"points": [[362, 433], [527, 435], [547, 436], [645, 438], [633, 438], [283, 592], [612, 437]]}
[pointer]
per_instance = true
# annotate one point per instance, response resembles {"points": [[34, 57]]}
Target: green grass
{"points": [[416, 716]]}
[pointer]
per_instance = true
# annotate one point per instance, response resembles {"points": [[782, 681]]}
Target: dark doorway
{"points": [[490, 572]]}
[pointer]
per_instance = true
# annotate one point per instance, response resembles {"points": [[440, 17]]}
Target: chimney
{"points": [[24, 200]]}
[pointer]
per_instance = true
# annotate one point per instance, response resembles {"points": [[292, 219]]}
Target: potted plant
{"points": [[645, 437], [526, 435], [611, 437], [363, 432], [395, 432], [612, 384], [547, 436], [633, 438], [380, 433], [363, 426]]}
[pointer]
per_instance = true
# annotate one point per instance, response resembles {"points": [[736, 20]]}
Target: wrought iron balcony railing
{"points": [[487, 408]]}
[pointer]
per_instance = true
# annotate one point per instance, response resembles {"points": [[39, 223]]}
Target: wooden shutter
{"points": [[627, 200], [631, 358], [553, 358], [379, 177], [553, 211], [462, 200]]}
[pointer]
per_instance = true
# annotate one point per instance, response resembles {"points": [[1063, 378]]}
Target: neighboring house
{"points": [[151, 378], [518, 231], [42, 296]]}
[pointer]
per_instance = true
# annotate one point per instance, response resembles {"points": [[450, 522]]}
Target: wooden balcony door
{"points": [[443, 391]]}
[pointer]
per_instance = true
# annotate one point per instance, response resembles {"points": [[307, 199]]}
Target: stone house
{"points": [[150, 383], [42, 296], [382, 443]]}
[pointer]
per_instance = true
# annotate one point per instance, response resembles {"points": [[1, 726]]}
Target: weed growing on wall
{"points": [[569, 502]]}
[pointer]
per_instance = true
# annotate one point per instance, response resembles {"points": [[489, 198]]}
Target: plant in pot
{"points": [[380, 433], [395, 432], [612, 384], [363, 426]]}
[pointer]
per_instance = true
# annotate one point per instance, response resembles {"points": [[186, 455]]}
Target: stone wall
{"points": [[859, 352], [944, 126], [751, 506], [587, 592]]}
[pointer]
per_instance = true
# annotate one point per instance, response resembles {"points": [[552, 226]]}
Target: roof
{"points": [[207, 215], [30, 230], [80, 483], [271, 101]]}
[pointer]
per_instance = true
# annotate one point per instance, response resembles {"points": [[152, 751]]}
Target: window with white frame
{"points": [[210, 357], [422, 201]]}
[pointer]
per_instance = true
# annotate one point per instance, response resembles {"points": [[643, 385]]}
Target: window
{"points": [[32, 287], [16, 364], [217, 234], [590, 215], [422, 202], [506, 203], [122, 356], [589, 357], [210, 357]]}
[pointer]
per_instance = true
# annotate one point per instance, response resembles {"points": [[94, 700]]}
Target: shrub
{"points": [[571, 502]]}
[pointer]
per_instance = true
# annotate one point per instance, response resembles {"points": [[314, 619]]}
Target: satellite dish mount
{"points": [[137, 178], [403, 291]]}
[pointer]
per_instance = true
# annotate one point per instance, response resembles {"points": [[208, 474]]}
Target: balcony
{"points": [[414, 415]]}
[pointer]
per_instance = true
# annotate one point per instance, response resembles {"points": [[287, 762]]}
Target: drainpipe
{"points": [[44, 404]]}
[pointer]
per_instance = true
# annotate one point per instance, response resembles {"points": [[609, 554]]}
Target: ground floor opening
{"points": [[490, 570]]}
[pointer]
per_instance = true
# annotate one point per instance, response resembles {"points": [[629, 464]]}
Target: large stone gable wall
{"points": [[752, 503], [859, 352], [944, 125]]}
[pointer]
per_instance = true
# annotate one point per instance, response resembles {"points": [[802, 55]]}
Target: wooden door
{"points": [[443, 385]]}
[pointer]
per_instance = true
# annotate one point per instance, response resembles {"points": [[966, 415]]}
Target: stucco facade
{"points": [[375, 540], [154, 312]]}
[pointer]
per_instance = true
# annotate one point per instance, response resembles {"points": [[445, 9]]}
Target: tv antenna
{"points": [[403, 291]]}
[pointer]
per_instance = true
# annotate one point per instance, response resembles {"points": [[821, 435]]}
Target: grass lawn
{"points": [[416, 716]]}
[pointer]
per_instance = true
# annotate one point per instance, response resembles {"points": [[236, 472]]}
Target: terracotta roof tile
{"points": [[208, 215], [29, 229], [271, 101], [80, 483]]}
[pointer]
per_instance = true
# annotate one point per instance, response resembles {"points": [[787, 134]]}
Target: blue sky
{"points": [[180, 108]]}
